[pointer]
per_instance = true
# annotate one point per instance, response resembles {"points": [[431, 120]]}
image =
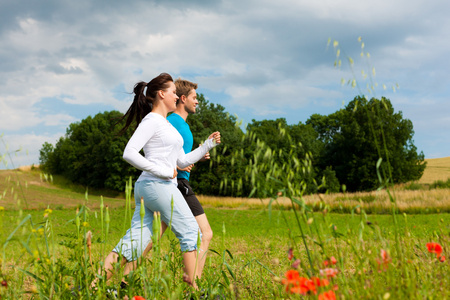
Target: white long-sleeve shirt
{"points": [[163, 149]]}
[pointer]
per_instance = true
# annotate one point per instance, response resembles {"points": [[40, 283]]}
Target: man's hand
{"points": [[187, 169]]}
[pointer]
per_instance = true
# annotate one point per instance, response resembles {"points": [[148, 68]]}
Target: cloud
{"points": [[23, 149], [260, 59]]}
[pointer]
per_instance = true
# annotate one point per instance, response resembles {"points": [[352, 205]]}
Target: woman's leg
{"points": [[133, 243], [133, 264], [178, 217], [207, 235]]}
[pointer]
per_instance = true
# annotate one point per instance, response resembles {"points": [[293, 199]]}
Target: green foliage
{"points": [[206, 176], [91, 153], [414, 186], [356, 137], [342, 148], [440, 184]]}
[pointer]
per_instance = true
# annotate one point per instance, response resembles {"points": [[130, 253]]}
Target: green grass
{"points": [[257, 242]]}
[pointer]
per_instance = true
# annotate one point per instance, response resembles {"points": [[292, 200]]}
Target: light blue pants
{"points": [[157, 197]]}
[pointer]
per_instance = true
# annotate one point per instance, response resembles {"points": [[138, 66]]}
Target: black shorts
{"points": [[189, 196]]}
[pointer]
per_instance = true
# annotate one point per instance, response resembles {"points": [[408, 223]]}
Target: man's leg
{"points": [[207, 235]]}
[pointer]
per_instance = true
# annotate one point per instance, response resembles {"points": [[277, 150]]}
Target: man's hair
{"points": [[184, 87]]}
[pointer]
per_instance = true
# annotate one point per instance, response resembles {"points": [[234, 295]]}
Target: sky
{"points": [[62, 61]]}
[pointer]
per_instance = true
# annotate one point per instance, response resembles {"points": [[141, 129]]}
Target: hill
{"points": [[437, 169], [39, 193]]}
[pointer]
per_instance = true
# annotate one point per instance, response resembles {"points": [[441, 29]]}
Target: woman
{"points": [[157, 185]]}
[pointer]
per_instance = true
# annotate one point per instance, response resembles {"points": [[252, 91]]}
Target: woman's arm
{"points": [[194, 156], [141, 136]]}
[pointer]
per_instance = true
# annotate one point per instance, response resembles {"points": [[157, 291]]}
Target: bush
{"points": [[440, 184]]}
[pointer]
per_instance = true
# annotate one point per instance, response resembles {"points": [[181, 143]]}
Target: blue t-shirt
{"points": [[183, 128]]}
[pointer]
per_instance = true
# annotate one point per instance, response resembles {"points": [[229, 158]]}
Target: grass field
{"points": [[257, 252], [258, 242], [437, 169]]}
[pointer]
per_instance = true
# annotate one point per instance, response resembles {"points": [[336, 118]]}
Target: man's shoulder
{"points": [[173, 117]]}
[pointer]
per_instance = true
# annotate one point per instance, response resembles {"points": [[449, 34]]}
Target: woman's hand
{"points": [[215, 136], [175, 173]]}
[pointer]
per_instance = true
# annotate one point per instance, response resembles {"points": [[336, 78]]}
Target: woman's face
{"points": [[170, 97]]}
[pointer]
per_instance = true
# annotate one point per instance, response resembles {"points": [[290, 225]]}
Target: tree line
{"points": [[360, 147]]}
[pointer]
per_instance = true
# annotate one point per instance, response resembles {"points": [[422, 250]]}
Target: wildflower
{"points": [[384, 259], [290, 254], [319, 282], [329, 272], [332, 261], [34, 289], [296, 264], [138, 298], [5, 283], [291, 276], [36, 254], [442, 258], [2, 208], [301, 285], [304, 286], [41, 231], [435, 248], [85, 224], [330, 295], [47, 212]]}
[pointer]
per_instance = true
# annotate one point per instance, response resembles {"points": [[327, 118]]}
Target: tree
{"points": [[206, 177], [289, 141], [363, 134], [91, 153]]}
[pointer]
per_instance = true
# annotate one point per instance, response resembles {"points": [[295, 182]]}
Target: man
{"points": [[186, 104]]}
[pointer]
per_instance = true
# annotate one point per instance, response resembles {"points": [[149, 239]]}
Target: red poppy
{"points": [[296, 284], [332, 261], [138, 298], [434, 248], [329, 272], [320, 282], [330, 295], [442, 258], [303, 286], [5, 283]]}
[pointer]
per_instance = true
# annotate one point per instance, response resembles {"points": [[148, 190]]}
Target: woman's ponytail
{"points": [[143, 103]]}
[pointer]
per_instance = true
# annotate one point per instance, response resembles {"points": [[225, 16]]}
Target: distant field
{"points": [[437, 169], [40, 193]]}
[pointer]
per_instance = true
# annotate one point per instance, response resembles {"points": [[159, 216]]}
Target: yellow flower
{"points": [[85, 224], [34, 289], [47, 212], [2, 208], [41, 231]]}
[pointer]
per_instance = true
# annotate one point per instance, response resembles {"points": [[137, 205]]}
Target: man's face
{"points": [[191, 102]]}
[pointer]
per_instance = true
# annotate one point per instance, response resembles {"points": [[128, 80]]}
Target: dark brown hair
{"points": [[184, 87], [143, 104]]}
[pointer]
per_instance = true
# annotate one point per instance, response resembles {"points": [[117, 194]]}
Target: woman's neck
{"points": [[161, 110]]}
